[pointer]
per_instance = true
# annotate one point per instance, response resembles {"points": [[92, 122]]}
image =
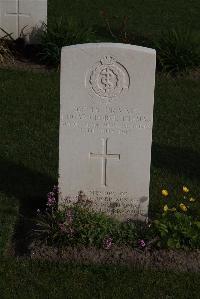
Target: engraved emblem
{"points": [[108, 78]]}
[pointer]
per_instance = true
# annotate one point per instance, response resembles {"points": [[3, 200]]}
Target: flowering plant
{"points": [[77, 224], [183, 203], [179, 225]]}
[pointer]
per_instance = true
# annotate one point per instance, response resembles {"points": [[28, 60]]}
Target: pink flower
{"points": [[65, 229], [141, 243], [51, 200], [55, 189], [69, 216], [52, 196], [107, 243]]}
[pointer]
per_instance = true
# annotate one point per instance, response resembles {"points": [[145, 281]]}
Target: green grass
{"points": [[38, 279], [145, 17], [29, 143], [176, 143], [28, 159], [29, 120]]}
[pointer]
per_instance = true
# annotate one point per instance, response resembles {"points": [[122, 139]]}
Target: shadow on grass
{"points": [[178, 161], [30, 188]]}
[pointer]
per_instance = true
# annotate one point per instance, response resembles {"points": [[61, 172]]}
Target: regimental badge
{"points": [[108, 78]]}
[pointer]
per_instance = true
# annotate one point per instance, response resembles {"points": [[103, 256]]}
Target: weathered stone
{"points": [[22, 17], [106, 117]]}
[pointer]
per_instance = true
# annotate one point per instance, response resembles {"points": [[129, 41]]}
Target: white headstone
{"points": [[22, 15], [106, 117]]}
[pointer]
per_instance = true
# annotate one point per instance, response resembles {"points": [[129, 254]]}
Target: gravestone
{"points": [[22, 15], [106, 117]]}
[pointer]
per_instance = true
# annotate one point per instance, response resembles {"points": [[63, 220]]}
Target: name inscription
{"points": [[106, 120]]}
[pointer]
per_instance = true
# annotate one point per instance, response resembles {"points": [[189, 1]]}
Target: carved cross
{"points": [[104, 156], [18, 14]]}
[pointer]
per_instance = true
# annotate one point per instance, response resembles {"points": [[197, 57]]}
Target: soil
{"points": [[26, 64], [23, 57], [178, 260]]}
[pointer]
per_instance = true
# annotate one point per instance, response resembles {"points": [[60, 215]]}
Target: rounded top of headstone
{"points": [[112, 45]]}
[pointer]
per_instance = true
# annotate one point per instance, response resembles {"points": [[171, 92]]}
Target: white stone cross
{"points": [[104, 156], [18, 14]]}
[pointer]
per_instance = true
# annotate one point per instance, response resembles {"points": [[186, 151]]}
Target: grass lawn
{"points": [[29, 156], [26, 279], [29, 122], [29, 141], [144, 16]]}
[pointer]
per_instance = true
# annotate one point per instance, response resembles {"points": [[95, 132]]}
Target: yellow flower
{"points": [[173, 210], [165, 208], [165, 192], [183, 207], [192, 199], [185, 189]]}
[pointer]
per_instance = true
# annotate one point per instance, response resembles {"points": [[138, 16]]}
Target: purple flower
{"points": [[107, 243], [65, 229], [141, 243], [55, 189], [70, 231], [51, 200], [52, 196], [69, 216]]}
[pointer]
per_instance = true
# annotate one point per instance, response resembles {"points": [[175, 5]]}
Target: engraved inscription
{"points": [[104, 156], [113, 203], [106, 120], [108, 78]]}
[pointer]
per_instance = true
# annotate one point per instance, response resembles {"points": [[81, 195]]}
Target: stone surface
{"points": [[26, 15], [106, 117]]}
